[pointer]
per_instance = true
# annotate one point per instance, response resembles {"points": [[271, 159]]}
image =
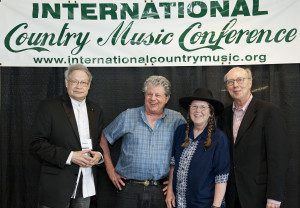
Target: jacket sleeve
{"points": [[100, 126], [41, 143], [277, 144]]}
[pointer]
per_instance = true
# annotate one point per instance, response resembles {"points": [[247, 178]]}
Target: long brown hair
{"points": [[211, 126]]}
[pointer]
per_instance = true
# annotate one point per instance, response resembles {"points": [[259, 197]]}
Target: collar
{"points": [[143, 112], [203, 134], [244, 108], [77, 103]]}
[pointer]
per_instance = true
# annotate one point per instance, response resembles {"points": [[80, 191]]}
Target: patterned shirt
{"points": [[145, 152]]}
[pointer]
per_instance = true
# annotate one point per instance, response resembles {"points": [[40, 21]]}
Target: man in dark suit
{"points": [[66, 139], [259, 146]]}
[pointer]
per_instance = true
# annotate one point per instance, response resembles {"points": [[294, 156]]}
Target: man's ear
{"points": [[168, 98]]}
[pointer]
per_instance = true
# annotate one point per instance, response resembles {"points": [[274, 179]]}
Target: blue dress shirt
{"points": [[145, 152]]}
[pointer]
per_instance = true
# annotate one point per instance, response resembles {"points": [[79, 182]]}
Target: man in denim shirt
{"points": [[144, 161]]}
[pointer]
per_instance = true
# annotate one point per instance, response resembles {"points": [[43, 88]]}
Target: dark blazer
{"points": [[55, 136], [259, 157]]}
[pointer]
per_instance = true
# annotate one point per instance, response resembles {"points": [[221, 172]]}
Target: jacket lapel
{"points": [[91, 115], [229, 117], [247, 120], [70, 114]]}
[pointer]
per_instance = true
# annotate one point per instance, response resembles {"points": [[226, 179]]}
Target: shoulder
{"points": [[51, 102], [49, 107], [180, 130], [179, 134], [265, 106], [134, 110], [220, 136], [225, 117], [93, 105], [173, 114], [181, 127], [130, 113], [263, 103], [227, 108], [226, 112]]}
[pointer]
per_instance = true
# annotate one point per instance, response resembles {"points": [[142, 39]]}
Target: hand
{"points": [[82, 158], [165, 189], [96, 156], [170, 199], [115, 178]]}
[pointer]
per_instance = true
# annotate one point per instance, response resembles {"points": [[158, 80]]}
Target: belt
{"points": [[146, 182]]}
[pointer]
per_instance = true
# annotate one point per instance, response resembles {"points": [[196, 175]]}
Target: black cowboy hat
{"points": [[203, 95]]}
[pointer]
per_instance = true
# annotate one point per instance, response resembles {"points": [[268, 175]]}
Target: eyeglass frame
{"points": [[201, 107], [76, 82], [239, 81]]}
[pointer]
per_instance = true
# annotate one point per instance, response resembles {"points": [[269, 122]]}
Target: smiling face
{"points": [[240, 92], [155, 99], [199, 112], [78, 85]]}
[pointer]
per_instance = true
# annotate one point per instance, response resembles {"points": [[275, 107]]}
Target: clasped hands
{"points": [[86, 158]]}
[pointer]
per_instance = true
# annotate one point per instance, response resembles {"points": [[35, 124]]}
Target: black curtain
{"points": [[117, 89]]}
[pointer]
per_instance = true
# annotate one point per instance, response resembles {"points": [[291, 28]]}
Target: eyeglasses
{"points": [[201, 107], [76, 82], [239, 80]]}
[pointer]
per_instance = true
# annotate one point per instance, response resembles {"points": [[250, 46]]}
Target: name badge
{"points": [[86, 144]]}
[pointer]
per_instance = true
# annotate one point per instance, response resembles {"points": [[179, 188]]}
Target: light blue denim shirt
{"points": [[145, 152]]}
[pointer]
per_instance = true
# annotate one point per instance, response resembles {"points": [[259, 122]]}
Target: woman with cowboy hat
{"points": [[200, 161]]}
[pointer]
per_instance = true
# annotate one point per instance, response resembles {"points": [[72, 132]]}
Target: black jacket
{"points": [[259, 157], [55, 136]]}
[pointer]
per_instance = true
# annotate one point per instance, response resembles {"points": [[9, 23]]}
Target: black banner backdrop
{"points": [[117, 89]]}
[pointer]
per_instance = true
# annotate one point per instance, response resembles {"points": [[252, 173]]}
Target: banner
{"points": [[125, 33]]}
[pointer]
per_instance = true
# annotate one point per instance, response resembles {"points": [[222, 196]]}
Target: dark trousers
{"points": [[232, 197], [140, 196], [238, 203], [75, 203], [79, 201]]}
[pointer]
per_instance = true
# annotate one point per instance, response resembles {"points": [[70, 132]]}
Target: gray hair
{"points": [[158, 81], [246, 68], [78, 67]]}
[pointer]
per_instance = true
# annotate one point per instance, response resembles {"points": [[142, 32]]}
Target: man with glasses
{"points": [[66, 139], [259, 146]]}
